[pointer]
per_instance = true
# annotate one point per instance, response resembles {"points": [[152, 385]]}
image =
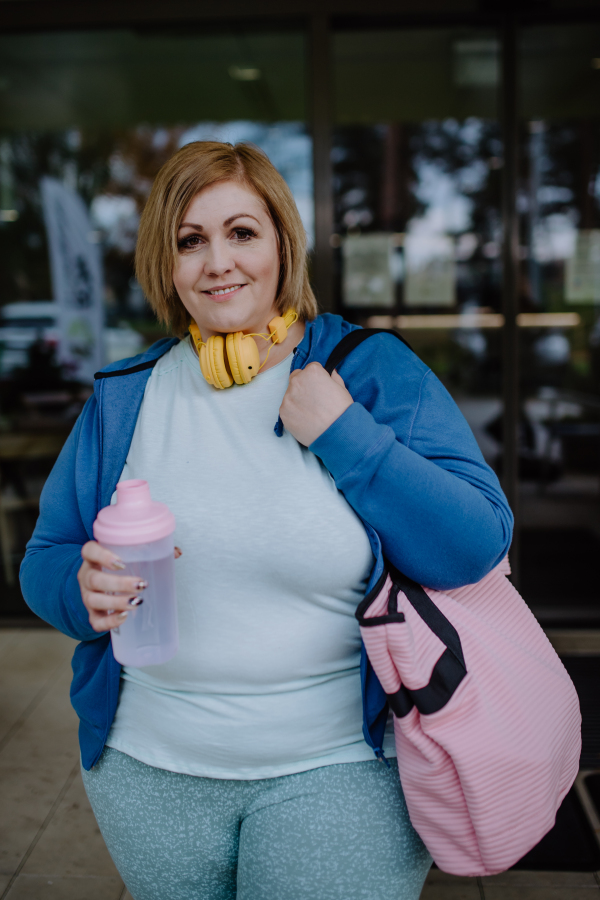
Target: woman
{"points": [[246, 766]]}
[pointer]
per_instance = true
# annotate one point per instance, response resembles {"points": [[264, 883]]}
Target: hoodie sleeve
{"points": [[53, 557], [407, 462]]}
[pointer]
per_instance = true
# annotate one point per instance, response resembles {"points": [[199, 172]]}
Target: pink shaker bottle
{"points": [[140, 532]]}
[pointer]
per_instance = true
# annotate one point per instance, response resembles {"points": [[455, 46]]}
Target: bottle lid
{"points": [[135, 518]]}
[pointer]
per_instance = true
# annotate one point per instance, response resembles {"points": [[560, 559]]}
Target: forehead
{"points": [[224, 199]]}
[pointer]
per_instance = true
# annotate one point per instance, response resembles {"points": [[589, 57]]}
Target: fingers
{"points": [[105, 611], [104, 582], [107, 621], [107, 597], [95, 553], [316, 369], [104, 603], [309, 368]]}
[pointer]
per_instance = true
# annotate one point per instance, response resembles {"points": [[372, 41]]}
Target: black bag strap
{"points": [[435, 620], [116, 373], [450, 669], [352, 340]]}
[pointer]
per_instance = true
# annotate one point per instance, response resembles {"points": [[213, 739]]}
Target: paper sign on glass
{"points": [[430, 270], [582, 269], [367, 273]]}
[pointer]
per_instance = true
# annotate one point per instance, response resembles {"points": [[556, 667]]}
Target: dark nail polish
{"points": [[136, 601], [141, 586]]}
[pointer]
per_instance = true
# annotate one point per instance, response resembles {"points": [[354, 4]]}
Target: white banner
{"points": [[76, 280]]}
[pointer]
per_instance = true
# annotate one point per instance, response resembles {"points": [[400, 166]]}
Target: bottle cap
{"points": [[135, 518]]}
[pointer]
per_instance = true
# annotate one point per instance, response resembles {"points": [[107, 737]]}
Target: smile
{"points": [[220, 291]]}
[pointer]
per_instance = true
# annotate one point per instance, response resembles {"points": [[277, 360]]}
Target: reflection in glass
{"points": [[101, 112], [559, 204], [417, 161], [93, 116]]}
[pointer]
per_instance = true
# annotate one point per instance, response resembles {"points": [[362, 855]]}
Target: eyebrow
{"points": [[226, 222]]}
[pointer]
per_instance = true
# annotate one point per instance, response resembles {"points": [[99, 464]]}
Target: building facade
{"points": [[445, 158]]}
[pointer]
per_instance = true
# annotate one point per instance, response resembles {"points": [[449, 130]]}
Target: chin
{"points": [[226, 321]]}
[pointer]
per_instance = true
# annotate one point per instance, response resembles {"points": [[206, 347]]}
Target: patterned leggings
{"points": [[340, 832]]}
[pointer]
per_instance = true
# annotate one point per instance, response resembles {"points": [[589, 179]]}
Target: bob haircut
{"points": [[193, 168]]}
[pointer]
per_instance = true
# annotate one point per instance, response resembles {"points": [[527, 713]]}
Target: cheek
{"points": [[184, 274], [266, 266]]}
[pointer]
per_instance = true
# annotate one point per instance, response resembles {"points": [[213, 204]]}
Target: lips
{"points": [[223, 291]]}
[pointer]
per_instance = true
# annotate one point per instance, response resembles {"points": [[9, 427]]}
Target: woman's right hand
{"points": [[106, 597]]}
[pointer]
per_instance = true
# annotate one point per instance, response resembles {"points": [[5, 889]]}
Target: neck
{"points": [[278, 351]]}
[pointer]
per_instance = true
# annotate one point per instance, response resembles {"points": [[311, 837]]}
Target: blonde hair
{"points": [[193, 168]]}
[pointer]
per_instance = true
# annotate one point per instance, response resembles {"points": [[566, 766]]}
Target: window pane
{"points": [[559, 202], [86, 121], [417, 162]]}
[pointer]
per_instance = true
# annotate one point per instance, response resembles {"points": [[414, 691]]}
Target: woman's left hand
{"points": [[312, 402]]}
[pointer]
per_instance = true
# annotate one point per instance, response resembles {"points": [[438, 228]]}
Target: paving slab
{"points": [[8, 637], [27, 800], [435, 876], [34, 767], [28, 664], [505, 892], [468, 890], [49, 729], [541, 879], [40, 887], [72, 844]]}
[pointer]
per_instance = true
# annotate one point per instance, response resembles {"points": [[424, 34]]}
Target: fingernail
{"points": [[117, 563], [136, 601], [124, 614], [141, 585]]}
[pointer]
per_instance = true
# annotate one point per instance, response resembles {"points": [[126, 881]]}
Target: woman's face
{"points": [[227, 266]]}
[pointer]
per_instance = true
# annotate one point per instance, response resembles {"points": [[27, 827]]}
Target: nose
{"points": [[219, 259]]}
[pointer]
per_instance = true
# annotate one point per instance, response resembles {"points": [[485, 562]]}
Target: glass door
{"points": [[559, 297], [86, 121], [417, 159]]}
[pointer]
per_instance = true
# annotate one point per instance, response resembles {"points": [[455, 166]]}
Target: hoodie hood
{"points": [[320, 337]]}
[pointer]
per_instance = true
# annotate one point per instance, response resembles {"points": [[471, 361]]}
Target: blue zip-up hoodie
{"points": [[402, 455]]}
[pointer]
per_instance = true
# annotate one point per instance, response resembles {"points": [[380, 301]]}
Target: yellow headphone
{"points": [[243, 359]]}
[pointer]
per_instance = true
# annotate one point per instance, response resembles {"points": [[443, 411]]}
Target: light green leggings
{"points": [[339, 832]]}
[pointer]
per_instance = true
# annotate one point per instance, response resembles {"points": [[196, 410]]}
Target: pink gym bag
{"points": [[486, 718]]}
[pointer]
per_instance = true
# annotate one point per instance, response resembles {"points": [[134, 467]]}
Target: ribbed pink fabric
{"points": [[484, 776]]}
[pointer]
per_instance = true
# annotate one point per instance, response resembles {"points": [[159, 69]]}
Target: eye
{"points": [[244, 234], [189, 242]]}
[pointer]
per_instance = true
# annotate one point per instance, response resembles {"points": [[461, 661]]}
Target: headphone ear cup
{"points": [[204, 366], [232, 356], [216, 362], [278, 329], [243, 357]]}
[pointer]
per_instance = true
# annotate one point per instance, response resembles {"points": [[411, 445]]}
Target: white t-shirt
{"points": [[266, 680]]}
